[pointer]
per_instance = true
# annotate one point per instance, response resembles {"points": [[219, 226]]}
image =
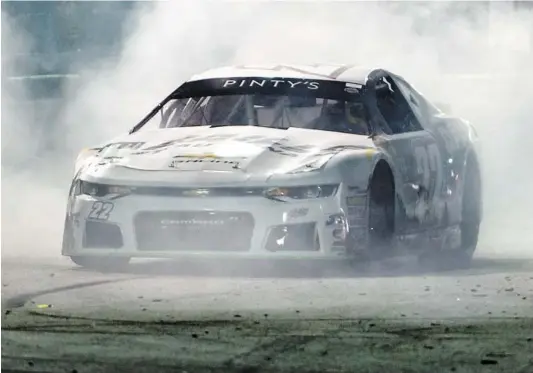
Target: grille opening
{"points": [[293, 237], [99, 235], [193, 231]]}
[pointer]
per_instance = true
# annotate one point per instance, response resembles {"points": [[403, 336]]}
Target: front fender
{"points": [[357, 166]]}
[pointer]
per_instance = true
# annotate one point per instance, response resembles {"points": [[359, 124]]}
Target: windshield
{"points": [[259, 105]]}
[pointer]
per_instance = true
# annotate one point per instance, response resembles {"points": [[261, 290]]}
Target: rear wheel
{"points": [[101, 263], [461, 257], [471, 217], [381, 213]]}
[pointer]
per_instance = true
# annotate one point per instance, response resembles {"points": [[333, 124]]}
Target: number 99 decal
{"points": [[100, 210]]}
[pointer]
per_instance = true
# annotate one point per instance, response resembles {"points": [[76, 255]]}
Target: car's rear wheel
{"points": [[470, 219], [471, 211], [101, 263], [381, 213]]}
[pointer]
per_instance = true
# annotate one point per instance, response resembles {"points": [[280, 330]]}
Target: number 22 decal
{"points": [[101, 210]]}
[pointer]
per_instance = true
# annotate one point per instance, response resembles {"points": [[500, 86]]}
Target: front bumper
{"points": [[228, 227]]}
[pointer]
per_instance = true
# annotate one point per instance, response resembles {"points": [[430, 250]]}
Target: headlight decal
{"points": [[314, 163], [103, 190], [284, 194]]}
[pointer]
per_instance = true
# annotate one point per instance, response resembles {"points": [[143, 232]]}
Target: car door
{"points": [[452, 138], [415, 153]]}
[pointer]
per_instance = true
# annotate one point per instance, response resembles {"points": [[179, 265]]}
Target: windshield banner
{"points": [[268, 86]]}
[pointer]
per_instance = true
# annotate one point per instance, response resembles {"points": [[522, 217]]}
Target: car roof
{"points": [[344, 73]]}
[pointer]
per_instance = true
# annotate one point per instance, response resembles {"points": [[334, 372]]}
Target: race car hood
{"points": [[234, 152]]}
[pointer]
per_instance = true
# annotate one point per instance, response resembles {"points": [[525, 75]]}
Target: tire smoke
{"points": [[482, 70]]}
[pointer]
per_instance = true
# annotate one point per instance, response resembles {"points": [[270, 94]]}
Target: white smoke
{"points": [[169, 41]]}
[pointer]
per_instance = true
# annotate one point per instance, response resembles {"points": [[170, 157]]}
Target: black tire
{"points": [[381, 209], [101, 263], [461, 258], [471, 217]]}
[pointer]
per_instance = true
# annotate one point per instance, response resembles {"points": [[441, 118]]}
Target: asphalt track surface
{"points": [[158, 316]]}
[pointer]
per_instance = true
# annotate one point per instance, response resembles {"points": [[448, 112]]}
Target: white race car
{"points": [[280, 162]]}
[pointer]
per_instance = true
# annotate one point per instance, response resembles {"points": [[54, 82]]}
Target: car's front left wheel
{"points": [[381, 213], [101, 263]]}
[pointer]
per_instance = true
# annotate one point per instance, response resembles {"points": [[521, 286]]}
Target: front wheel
{"points": [[101, 263], [381, 214]]}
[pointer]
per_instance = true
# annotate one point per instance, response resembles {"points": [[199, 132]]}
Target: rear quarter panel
{"points": [[459, 140]]}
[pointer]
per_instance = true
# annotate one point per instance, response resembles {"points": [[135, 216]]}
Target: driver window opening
{"points": [[394, 108]]}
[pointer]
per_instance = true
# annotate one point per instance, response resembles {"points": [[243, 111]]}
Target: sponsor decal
{"points": [[123, 145], [196, 222], [192, 222], [276, 144], [203, 158], [197, 141], [270, 83], [108, 160]]}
